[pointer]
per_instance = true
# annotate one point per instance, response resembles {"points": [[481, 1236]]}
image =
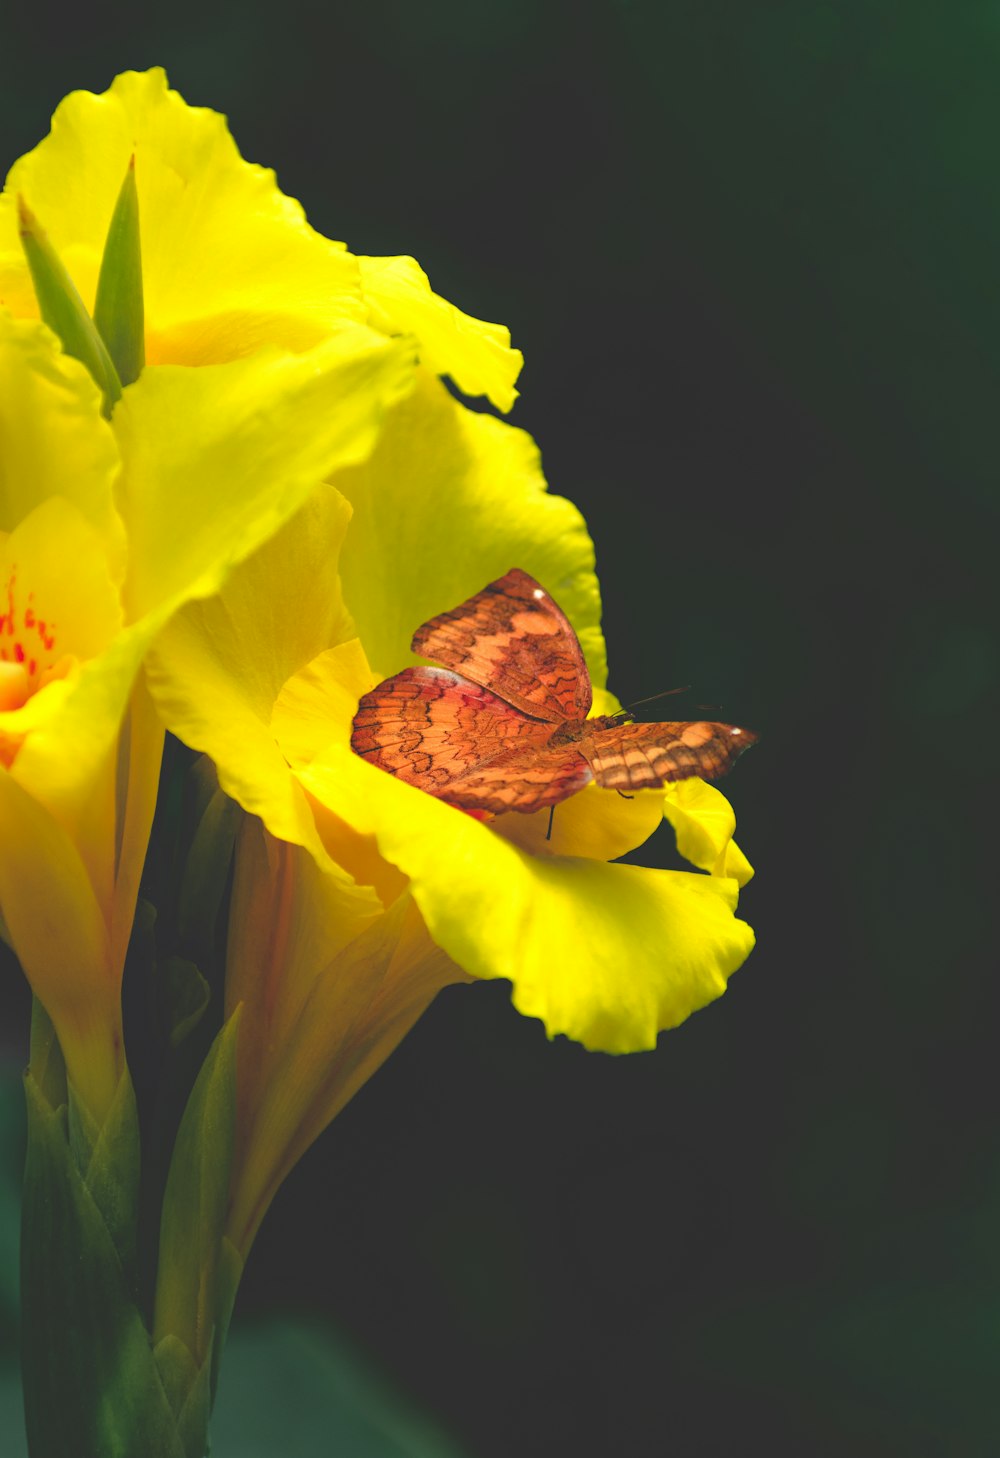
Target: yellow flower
{"points": [[105, 529], [229, 262], [265, 678], [109, 528]]}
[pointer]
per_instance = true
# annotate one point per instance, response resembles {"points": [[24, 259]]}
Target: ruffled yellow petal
{"points": [[442, 474], [609, 955], [476, 355], [55, 442], [229, 262], [217, 459], [704, 824], [218, 667]]}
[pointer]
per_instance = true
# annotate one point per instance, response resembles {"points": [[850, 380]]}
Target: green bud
{"points": [[118, 310], [62, 308], [191, 1299]]}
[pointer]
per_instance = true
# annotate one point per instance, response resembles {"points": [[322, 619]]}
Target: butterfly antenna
{"points": [[664, 694]]}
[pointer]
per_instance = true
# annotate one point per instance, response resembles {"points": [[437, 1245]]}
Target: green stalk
{"points": [[92, 1387]]}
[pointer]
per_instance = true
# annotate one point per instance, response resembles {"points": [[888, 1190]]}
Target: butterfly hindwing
{"points": [[524, 779], [429, 726], [512, 638], [645, 756]]}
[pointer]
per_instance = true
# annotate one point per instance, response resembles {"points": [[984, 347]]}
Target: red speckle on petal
{"points": [[20, 624]]}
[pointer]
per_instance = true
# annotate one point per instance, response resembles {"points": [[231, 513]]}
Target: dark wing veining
{"points": [[514, 639], [429, 726], [644, 756], [523, 779]]}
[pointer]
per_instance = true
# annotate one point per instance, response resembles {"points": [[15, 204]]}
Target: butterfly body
{"points": [[504, 726]]}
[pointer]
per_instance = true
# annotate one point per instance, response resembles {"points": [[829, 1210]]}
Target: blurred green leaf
{"points": [[91, 1385], [12, 1412], [195, 1203], [301, 1392], [182, 996], [11, 1168]]}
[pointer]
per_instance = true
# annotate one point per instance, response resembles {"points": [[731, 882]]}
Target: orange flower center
{"points": [[29, 656]]}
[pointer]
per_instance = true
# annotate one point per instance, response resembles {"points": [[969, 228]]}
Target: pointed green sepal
{"points": [[91, 1385], [108, 1160], [45, 1059], [230, 1274], [209, 862], [188, 1391], [195, 1205], [62, 308], [118, 309], [182, 997]]}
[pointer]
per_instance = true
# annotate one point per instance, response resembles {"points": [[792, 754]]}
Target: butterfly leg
{"points": [[552, 811], [624, 796]]}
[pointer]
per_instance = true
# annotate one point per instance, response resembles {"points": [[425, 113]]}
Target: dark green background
{"points": [[752, 252]]}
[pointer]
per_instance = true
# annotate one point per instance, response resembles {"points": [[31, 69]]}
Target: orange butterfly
{"points": [[505, 727]]}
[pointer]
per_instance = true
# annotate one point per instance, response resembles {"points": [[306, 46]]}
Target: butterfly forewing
{"points": [[644, 756], [513, 639], [428, 726]]}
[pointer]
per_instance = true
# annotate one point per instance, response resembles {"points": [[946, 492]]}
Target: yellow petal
{"points": [[218, 667], [476, 355], [704, 823], [137, 770], [217, 459], [55, 589], [329, 985], [55, 442], [316, 705], [609, 955], [58, 930], [448, 501], [228, 261], [596, 823]]}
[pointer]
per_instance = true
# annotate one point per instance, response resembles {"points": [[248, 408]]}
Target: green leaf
{"points": [[229, 1276], [195, 1204], [45, 1059], [108, 1159], [91, 1385], [11, 1171], [299, 1391], [206, 871], [118, 309], [62, 308], [188, 1391], [182, 995]]}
